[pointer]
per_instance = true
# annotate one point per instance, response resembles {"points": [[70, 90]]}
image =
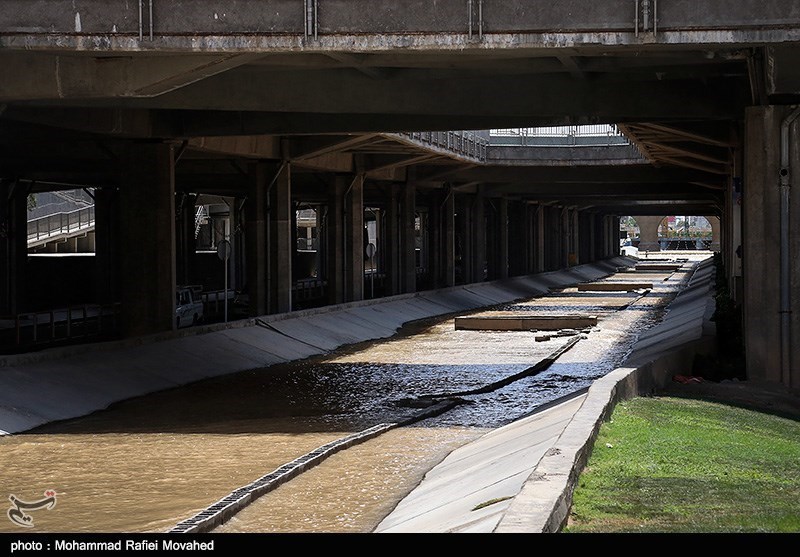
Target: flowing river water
{"points": [[146, 464]]}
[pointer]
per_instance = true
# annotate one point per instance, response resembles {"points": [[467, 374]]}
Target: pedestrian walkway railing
{"points": [[57, 224], [47, 327], [468, 145], [600, 134], [214, 302]]}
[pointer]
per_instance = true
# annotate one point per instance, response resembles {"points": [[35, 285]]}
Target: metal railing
{"points": [[66, 324], [598, 134], [200, 218], [60, 223], [307, 244], [465, 144], [308, 290]]}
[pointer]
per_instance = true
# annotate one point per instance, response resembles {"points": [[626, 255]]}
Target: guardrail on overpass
{"points": [[466, 145], [45, 228], [600, 134]]}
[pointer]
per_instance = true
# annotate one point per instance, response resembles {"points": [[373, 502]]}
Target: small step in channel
{"points": [[516, 322], [614, 286], [659, 267]]}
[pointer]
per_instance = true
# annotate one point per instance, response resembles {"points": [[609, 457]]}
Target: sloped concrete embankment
{"points": [[68, 382], [667, 349]]}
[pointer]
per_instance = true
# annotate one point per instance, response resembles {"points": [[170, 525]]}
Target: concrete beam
{"points": [[115, 24], [88, 77], [521, 96]]}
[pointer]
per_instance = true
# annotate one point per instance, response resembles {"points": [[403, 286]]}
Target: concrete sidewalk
{"points": [[525, 473]]}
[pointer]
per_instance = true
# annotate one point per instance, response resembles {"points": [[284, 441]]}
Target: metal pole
{"points": [[480, 19], [226, 286], [655, 17], [469, 9], [141, 32], [151, 20]]}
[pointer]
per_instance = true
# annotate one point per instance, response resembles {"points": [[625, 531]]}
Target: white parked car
{"points": [[188, 306]]}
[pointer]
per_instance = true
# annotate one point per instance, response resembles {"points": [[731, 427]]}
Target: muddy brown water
{"points": [[146, 464]]}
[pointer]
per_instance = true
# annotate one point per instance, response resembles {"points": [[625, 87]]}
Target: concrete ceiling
{"points": [[325, 96]]}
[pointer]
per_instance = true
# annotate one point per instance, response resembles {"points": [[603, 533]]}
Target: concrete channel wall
{"points": [[69, 382]]}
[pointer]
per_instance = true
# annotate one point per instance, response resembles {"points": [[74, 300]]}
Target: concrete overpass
{"points": [[283, 102]]}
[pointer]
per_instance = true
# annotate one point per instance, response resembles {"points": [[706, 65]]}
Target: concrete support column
{"points": [[565, 238], [238, 261], [479, 239], [541, 245], [281, 247], [319, 272], [354, 245], [716, 229], [147, 238], [517, 239], [85, 244], [492, 220], [392, 253], [449, 222], [13, 248], [734, 228], [465, 237], [106, 257], [592, 240], [503, 237], [574, 238], [408, 254], [767, 357], [436, 248], [5, 250], [335, 241], [648, 232], [256, 238], [611, 236], [529, 233], [554, 239], [184, 238], [18, 249]]}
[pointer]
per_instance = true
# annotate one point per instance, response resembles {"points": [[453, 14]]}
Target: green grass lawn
{"points": [[681, 465]]}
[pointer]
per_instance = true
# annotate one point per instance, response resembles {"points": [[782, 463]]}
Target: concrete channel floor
{"points": [[503, 464], [475, 486], [503, 482]]}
